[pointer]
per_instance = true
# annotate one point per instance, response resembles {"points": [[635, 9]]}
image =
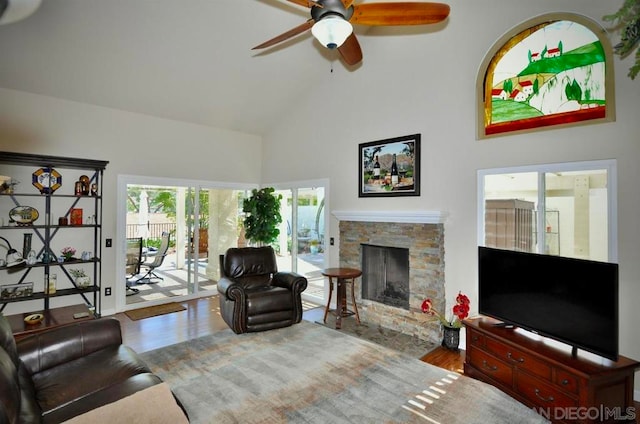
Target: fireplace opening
{"points": [[385, 275]]}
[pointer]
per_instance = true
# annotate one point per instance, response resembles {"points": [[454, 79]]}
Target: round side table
{"points": [[343, 276]]}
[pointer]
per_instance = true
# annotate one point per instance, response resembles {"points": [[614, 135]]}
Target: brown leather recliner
{"points": [[254, 296]]}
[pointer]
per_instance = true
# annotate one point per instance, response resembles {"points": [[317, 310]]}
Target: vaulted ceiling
{"points": [[187, 60]]}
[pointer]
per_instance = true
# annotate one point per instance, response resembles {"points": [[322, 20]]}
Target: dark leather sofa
{"points": [[57, 374], [254, 296]]}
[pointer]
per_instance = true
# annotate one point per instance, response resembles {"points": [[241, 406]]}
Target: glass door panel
{"points": [[301, 246]]}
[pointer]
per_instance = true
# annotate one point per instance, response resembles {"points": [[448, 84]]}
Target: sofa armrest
{"points": [[57, 346], [290, 280]]}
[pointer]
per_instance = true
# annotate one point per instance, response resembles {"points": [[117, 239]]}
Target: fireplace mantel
{"points": [[413, 217]]}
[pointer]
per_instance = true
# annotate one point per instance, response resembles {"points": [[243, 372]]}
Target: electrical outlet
{"points": [[331, 241], [108, 242], [107, 291]]}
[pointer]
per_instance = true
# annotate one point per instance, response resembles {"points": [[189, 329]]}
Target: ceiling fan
{"points": [[331, 21]]}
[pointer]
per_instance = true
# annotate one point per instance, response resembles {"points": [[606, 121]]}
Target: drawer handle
{"points": [[511, 358], [565, 382], [546, 399], [475, 338], [489, 367]]}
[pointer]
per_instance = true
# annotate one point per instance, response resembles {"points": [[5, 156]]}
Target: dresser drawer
{"points": [[518, 358], [567, 381], [475, 338], [492, 367], [542, 393]]}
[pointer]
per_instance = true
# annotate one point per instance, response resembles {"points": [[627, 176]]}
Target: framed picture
{"points": [[390, 167]]}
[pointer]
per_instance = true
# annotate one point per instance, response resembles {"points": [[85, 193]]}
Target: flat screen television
{"points": [[574, 301]]}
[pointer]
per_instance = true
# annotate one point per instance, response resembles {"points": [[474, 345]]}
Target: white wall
{"points": [[133, 144], [427, 86]]}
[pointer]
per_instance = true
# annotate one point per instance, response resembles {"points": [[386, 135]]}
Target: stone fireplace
{"points": [[422, 236]]}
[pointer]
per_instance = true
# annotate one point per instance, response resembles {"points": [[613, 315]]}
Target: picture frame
{"points": [[377, 174]]}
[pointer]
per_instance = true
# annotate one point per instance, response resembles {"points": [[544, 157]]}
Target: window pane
{"points": [[510, 203], [577, 218], [558, 212]]}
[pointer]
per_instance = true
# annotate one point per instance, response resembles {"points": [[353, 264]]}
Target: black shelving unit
{"points": [[47, 229]]}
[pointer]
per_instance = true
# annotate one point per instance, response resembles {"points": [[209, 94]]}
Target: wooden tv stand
{"points": [[562, 388]]}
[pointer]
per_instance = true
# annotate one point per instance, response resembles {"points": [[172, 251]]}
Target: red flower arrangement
{"points": [[460, 311]]}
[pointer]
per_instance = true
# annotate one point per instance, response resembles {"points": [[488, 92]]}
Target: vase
{"points": [[83, 282], [451, 337]]}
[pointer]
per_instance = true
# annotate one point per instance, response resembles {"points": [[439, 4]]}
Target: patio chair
{"points": [[157, 261], [134, 259]]}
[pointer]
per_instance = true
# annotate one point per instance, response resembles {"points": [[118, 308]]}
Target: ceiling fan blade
{"points": [[305, 3], [350, 50], [404, 13], [285, 36]]}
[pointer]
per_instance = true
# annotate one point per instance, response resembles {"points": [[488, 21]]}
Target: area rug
{"points": [[153, 311], [307, 373]]}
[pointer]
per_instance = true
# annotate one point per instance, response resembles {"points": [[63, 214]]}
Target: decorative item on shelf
{"points": [[51, 281], [451, 327], [47, 257], [16, 291], [68, 252], [31, 257], [77, 188], [47, 180], [76, 216], [84, 180], [14, 258], [7, 184], [86, 256], [23, 215], [94, 189], [81, 279], [26, 245], [33, 319], [63, 221]]}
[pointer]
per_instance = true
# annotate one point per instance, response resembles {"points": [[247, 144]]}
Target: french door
{"points": [[202, 220], [302, 246]]}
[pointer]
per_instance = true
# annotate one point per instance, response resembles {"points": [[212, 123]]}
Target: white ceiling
{"points": [[188, 60]]}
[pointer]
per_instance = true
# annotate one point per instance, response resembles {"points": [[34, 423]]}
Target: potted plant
{"points": [[81, 279], [68, 252], [451, 327], [262, 216]]}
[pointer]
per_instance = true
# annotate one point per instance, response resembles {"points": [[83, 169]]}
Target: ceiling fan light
{"points": [[15, 10], [332, 31]]}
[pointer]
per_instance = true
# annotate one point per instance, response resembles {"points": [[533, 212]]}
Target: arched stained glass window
{"points": [[556, 69]]}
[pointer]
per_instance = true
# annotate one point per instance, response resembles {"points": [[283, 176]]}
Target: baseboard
{"points": [[107, 312]]}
